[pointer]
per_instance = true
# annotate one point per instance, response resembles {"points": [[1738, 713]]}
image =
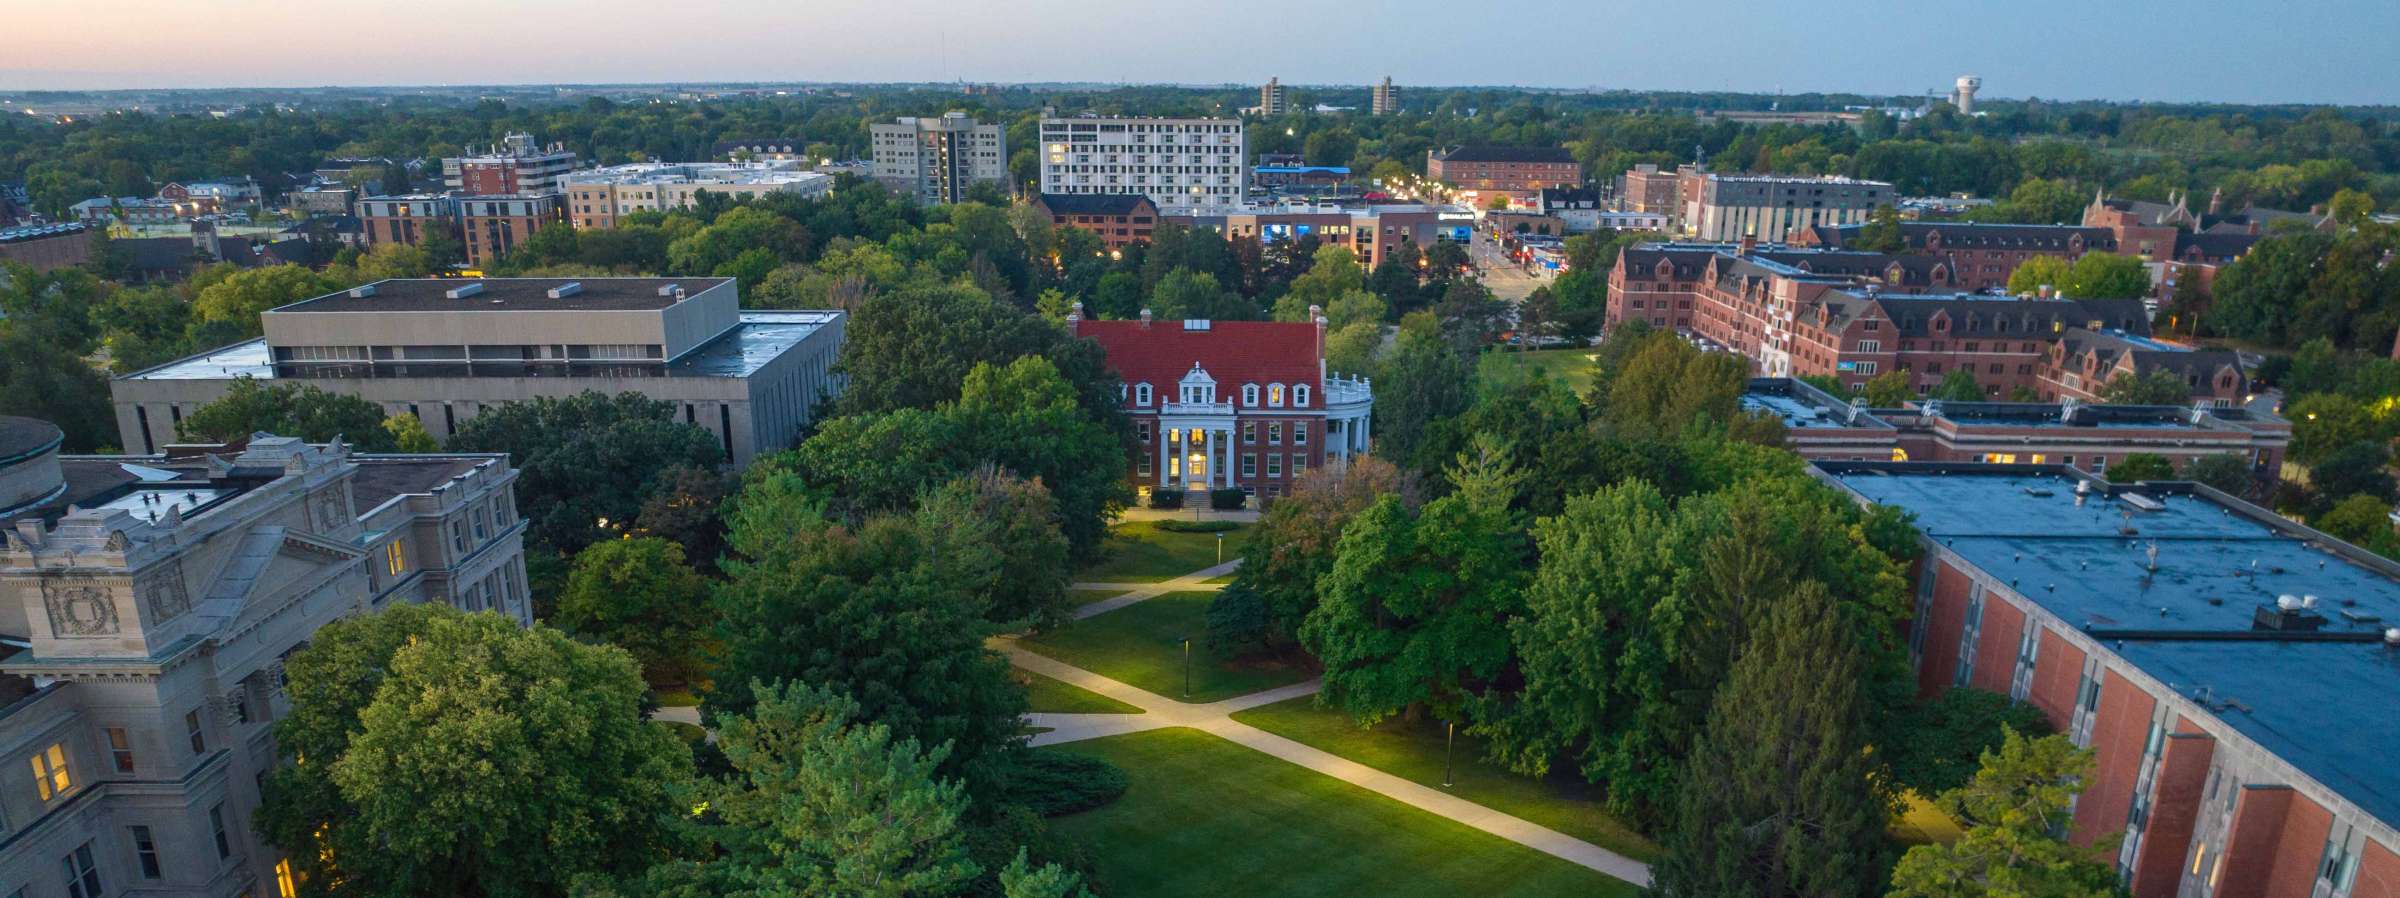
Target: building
{"points": [[600, 197], [1230, 404], [1179, 163], [1982, 255], [444, 350], [345, 168], [2084, 436], [937, 159], [516, 165], [1629, 221], [2225, 665], [493, 225], [134, 211], [763, 149], [323, 198], [1481, 172], [1271, 101], [48, 247], [1372, 232], [148, 603], [407, 219], [1854, 315], [1120, 219], [1387, 98], [1286, 171], [217, 194], [1772, 208], [1646, 189]]}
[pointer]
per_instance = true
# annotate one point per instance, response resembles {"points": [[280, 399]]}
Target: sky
{"points": [[2252, 51]]}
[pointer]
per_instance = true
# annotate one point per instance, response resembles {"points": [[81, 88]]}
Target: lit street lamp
{"points": [[1220, 547], [1449, 746], [1187, 667]]}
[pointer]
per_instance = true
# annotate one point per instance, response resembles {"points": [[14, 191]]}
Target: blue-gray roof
{"points": [[740, 352], [2321, 706]]}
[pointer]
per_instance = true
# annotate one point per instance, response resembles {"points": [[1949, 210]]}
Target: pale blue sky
{"points": [[2256, 51]]}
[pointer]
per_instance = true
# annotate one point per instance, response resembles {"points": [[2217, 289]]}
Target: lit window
{"points": [[395, 558], [1275, 395], [285, 886], [50, 775]]}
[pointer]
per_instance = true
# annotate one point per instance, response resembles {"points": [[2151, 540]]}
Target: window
{"points": [[1299, 465], [50, 776], [458, 537], [83, 876], [285, 886], [1866, 367], [1274, 464], [1249, 464], [1142, 466], [145, 851], [216, 828], [480, 527], [1250, 432], [1967, 636], [1275, 395], [1299, 433], [1870, 346], [1300, 396], [2029, 648], [1275, 434], [191, 723], [1250, 395], [1141, 394], [120, 749], [395, 558]]}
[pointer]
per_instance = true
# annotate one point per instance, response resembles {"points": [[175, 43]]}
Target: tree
{"points": [[2360, 520], [2108, 276], [41, 379], [1940, 739], [1888, 390], [409, 435], [913, 348], [2325, 422], [638, 595], [2359, 469], [285, 408], [587, 462], [1030, 588], [888, 612], [1779, 797], [241, 297], [684, 509], [2031, 275], [2012, 812], [2139, 466], [1296, 540], [2226, 471], [1185, 294], [1422, 380], [2157, 386], [1414, 609], [1957, 386], [1881, 233], [1668, 386], [429, 751]]}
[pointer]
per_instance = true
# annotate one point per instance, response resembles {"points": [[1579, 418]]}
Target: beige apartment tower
{"points": [[937, 159], [1387, 98]]}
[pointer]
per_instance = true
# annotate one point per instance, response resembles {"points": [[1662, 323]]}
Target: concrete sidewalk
{"points": [[1136, 592], [1159, 712]]}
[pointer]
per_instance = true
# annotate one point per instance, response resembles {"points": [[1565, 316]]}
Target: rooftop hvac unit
{"points": [[362, 291], [565, 290], [464, 291], [669, 289]]}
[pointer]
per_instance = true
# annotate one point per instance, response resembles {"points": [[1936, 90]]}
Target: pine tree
{"points": [[1778, 797]]}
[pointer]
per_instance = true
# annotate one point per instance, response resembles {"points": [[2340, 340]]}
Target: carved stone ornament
{"points": [[163, 588], [79, 609], [330, 513]]}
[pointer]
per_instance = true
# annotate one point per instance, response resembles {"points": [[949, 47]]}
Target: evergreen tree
{"points": [[2013, 810], [1779, 796]]}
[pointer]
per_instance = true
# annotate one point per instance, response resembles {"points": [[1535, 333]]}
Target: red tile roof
{"points": [[1233, 352]]}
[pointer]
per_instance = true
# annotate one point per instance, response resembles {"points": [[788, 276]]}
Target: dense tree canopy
{"points": [[291, 409], [585, 463]]}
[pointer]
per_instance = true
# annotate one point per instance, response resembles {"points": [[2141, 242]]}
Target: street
{"points": [[1503, 275]]}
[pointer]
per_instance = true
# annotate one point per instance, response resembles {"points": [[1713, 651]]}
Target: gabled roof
{"points": [[1162, 353], [1095, 203]]}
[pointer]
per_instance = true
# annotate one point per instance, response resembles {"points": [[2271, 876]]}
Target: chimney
{"points": [[1074, 317], [1145, 319], [1749, 241], [2042, 292], [1317, 314]]}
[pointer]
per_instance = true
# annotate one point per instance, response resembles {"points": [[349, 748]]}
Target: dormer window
{"points": [[1141, 395], [1196, 387], [1300, 396], [1275, 395], [1250, 395]]}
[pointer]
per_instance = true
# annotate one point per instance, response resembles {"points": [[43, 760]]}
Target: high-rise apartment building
{"points": [[937, 159], [1271, 101], [1772, 208], [517, 165], [490, 226], [1179, 163], [1387, 98]]}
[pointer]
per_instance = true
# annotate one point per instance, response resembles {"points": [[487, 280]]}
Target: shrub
{"points": [[1227, 499], [1237, 621], [1052, 783], [1166, 498], [1937, 743], [1176, 525]]}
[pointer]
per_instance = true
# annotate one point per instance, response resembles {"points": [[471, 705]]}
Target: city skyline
{"points": [[2324, 51]]}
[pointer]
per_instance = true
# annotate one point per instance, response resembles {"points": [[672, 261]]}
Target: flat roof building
{"points": [[1482, 171], [444, 350], [598, 198], [1179, 163], [147, 604], [2232, 671], [518, 164], [1772, 208], [936, 160]]}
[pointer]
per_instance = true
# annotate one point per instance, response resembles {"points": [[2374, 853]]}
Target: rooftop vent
{"points": [[670, 289], [465, 290], [2290, 613], [362, 291], [565, 290], [2143, 502]]}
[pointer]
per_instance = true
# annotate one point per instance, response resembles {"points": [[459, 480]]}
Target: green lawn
{"points": [[1203, 816], [1142, 645], [1139, 552], [1415, 753], [1574, 365], [1046, 695], [677, 698]]}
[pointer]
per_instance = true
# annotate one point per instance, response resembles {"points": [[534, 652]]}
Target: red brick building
{"points": [[1518, 173], [1230, 404], [1852, 316], [1981, 255], [2227, 667], [407, 218], [492, 225], [1121, 219]]}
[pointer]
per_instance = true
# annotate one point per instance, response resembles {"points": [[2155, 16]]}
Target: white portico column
{"points": [[1363, 428], [1166, 440]]}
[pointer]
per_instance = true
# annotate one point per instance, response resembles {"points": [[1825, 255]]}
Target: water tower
{"points": [[1964, 98]]}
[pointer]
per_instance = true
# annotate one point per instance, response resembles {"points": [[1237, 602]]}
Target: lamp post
{"points": [[1449, 746], [1187, 667], [1220, 547]]}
